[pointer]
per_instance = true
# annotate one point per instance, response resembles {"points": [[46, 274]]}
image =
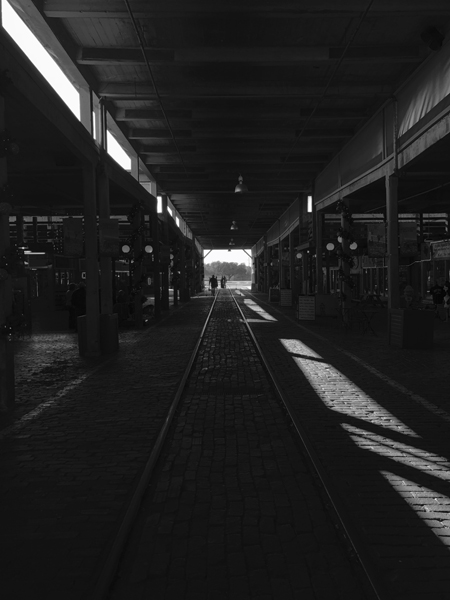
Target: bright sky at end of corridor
{"points": [[236, 256]]}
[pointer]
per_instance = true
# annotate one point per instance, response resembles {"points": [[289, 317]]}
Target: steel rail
{"points": [[376, 587], [105, 579]]}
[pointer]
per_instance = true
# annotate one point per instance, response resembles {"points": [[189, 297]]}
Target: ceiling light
{"points": [[231, 242], [241, 188], [234, 227]]}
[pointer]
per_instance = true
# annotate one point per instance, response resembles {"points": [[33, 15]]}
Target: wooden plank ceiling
{"points": [[269, 89]]}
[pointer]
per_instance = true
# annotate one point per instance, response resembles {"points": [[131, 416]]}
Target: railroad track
{"points": [[371, 584]]}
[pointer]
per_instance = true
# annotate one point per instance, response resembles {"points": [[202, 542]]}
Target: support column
{"points": [[174, 249], [156, 277], [392, 241], [346, 289], [7, 392], [319, 217], [106, 280], [291, 261], [266, 267], [423, 263], [280, 264], [165, 266], [138, 249], [304, 272], [183, 290], [91, 255]]}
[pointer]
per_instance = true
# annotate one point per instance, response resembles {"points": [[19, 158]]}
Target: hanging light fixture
{"points": [[234, 226], [241, 188], [231, 242]]}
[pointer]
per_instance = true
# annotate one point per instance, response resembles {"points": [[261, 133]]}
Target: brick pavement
{"points": [[67, 474], [384, 444], [233, 511]]}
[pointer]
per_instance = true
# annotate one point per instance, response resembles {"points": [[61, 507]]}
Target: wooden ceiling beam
{"points": [[219, 170], [321, 9], [264, 55], [123, 114], [259, 89], [221, 135], [234, 157], [205, 118], [163, 134]]}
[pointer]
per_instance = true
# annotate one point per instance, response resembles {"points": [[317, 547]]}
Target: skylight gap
{"points": [[41, 59]]}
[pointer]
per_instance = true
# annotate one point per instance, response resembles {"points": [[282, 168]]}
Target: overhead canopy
{"points": [[269, 90]]}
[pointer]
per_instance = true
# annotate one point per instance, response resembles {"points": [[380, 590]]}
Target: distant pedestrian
{"points": [[223, 282], [79, 302], [69, 307], [213, 284]]}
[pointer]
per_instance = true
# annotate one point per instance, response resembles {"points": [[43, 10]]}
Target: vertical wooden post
{"points": [[138, 269], [156, 267], [266, 268], [164, 266], [392, 241], [291, 260], [7, 392], [304, 272], [280, 262], [319, 217], [91, 256], [346, 289], [183, 291], [175, 275], [106, 284]]}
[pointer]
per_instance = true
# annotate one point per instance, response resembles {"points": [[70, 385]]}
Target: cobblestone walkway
{"points": [[72, 452], [385, 448], [234, 512], [68, 471]]}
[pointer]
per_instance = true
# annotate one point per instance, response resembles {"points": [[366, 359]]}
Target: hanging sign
{"points": [[73, 237], [109, 243], [441, 249], [376, 239]]}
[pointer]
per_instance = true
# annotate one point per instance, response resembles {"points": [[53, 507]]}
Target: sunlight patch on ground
{"points": [[433, 508], [338, 392], [259, 310], [416, 458]]}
